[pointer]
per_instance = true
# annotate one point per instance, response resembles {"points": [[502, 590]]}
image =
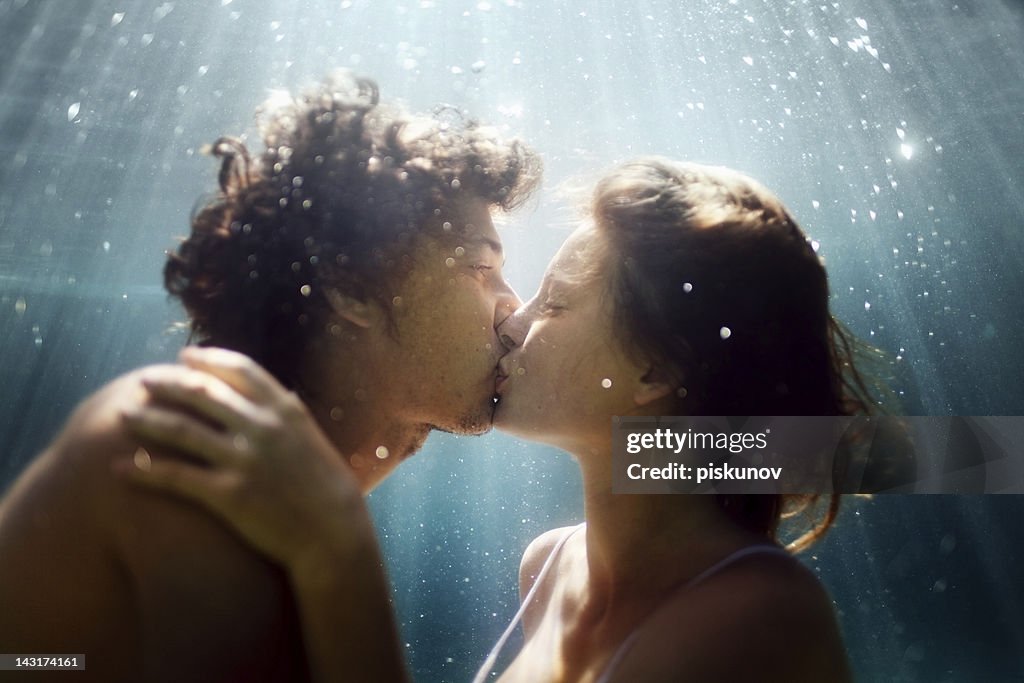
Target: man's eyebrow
{"points": [[495, 245]]}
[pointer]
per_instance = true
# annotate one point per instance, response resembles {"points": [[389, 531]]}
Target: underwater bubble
{"points": [[450, 262], [520, 371], [863, 24], [606, 383], [947, 544], [749, 61], [478, 66], [117, 18], [306, 290], [687, 287], [20, 306], [162, 11], [446, 226], [382, 452], [142, 460], [73, 110], [240, 442], [725, 333], [906, 150], [106, 247], [396, 302], [456, 184], [337, 413], [459, 251], [146, 39]]}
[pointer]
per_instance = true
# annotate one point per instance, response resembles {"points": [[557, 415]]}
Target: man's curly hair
{"points": [[340, 198]]}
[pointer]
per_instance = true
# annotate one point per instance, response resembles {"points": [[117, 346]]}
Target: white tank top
{"points": [[627, 644]]}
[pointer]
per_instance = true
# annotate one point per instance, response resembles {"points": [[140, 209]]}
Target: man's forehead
{"points": [[477, 227]]}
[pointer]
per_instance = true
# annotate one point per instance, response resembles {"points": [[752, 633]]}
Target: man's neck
{"points": [[359, 415]]}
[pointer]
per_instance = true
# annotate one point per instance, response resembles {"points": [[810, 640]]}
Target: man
{"points": [[356, 260]]}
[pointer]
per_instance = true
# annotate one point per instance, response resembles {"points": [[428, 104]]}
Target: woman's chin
{"points": [[507, 419]]}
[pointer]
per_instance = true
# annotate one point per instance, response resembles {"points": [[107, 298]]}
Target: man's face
{"points": [[446, 352]]}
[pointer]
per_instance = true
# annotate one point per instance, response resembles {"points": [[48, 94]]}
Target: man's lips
{"points": [[501, 376]]}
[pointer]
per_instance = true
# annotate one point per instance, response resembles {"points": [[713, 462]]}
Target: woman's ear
{"points": [[654, 385], [359, 313]]}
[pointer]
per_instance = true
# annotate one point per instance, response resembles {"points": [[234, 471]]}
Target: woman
{"points": [[690, 290]]}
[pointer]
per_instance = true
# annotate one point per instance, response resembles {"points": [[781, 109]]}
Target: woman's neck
{"points": [[645, 545]]}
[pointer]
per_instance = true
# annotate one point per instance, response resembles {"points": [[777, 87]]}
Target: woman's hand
{"points": [[265, 467]]}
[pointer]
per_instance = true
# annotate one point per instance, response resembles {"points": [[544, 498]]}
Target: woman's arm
{"points": [[261, 464]]}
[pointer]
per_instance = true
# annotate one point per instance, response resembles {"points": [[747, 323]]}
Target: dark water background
{"points": [[894, 131]]}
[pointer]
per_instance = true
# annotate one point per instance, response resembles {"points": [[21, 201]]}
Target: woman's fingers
{"points": [[206, 486], [240, 372], [185, 433], [203, 393]]}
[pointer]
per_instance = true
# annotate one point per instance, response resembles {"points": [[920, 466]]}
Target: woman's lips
{"points": [[499, 382]]}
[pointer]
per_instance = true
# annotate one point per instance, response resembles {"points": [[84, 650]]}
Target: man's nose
{"points": [[508, 303], [512, 329]]}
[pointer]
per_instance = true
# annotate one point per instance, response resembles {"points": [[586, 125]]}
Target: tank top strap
{"points": [[627, 644], [485, 669]]}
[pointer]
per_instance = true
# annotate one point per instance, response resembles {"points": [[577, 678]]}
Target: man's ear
{"points": [[654, 385], [359, 313]]}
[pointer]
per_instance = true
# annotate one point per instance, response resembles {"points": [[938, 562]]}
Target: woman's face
{"points": [[566, 374]]}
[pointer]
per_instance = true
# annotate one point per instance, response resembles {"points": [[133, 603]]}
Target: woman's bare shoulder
{"points": [[765, 618], [536, 554]]}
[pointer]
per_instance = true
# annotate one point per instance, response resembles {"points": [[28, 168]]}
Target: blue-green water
{"points": [[894, 131]]}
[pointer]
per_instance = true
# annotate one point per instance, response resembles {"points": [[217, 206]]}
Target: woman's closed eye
{"points": [[553, 307]]}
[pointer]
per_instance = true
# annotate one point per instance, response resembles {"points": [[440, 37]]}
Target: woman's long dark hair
{"points": [[715, 285]]}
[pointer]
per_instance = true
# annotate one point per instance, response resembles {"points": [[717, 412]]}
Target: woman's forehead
{"points": [[575, 255]]}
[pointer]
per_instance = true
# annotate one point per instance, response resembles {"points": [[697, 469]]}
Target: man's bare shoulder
{"points": [[132, 560]]}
